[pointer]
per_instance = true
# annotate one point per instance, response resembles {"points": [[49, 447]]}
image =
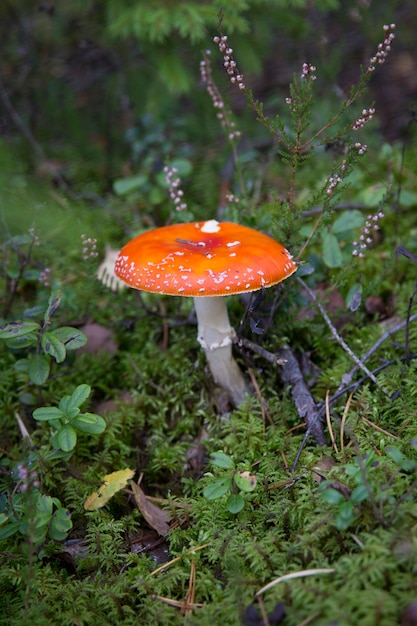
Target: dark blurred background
{"points": [[89, 88]]}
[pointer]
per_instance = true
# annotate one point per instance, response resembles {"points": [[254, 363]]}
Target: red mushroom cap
{"points": [[203, 259]]}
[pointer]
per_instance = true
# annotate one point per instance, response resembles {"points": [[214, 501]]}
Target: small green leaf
{"points": [[22, 365], [399, 459], [53, 346], [27, 398], [345, 516], [359, 494], [67, 438], [89, 423], [373, 195], [183, 166], [17, 329], [354, 297], [8, 530], [61, 524], [80, 395], [53, 304], [332, 255], [39, 367], [46, 413], [222, 460], [31, 274], [125, 186], [72, 338], [245, 481], [44, 504], [72, 412], [33, 311], [217, 488], [3, 518], [26, 341], [395, 454], [235, 503], [65, 404], [332, 496], [348, 220]]}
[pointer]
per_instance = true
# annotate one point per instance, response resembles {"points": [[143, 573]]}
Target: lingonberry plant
{"points": [[38, 343], [230, 485], [66, 419]]}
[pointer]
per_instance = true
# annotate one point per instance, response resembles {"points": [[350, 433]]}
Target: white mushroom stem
{"points": [[215, 336]]}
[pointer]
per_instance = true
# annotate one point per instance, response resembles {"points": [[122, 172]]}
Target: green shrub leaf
{"points": [[218, 488], [89, 423], [53, 346], [67, 438], [39, 367], [220, 459], [332, 254], [72, 338], [245, 481], [46, 413], [80, 395], [235, 503], [17, 329]]}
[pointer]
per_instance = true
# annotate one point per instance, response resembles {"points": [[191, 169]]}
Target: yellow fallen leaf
{"points": [[112, 483]]}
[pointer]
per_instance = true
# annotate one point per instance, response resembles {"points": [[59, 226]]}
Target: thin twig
{"points": [[387, 334], [340, 340], [291, 375]]}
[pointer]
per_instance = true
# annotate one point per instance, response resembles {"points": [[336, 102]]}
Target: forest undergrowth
{"points": [[132, 490]]}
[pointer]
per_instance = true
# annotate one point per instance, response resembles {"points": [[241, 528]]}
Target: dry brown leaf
{"points": [[324, 464], [155, 517]]}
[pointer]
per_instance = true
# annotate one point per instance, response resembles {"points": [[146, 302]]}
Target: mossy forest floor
{"points": [[298, 506]]}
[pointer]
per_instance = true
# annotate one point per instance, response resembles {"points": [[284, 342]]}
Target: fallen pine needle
{"points": [[329, 423], [178, 558], [344, 416], [378, 428], [300, 574], [177, 603]]}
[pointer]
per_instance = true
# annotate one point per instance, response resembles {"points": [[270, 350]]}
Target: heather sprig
{"points": [[383, 48], [223, 113], [370, 227], [296, 140], [175, 192], [89, 247], [307, 71], [366, 116], [229, 63]]}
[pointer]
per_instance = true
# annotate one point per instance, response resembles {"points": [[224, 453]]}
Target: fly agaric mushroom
{"points": [[207, 260]]}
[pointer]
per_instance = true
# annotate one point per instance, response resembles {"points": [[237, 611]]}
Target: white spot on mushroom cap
{"points": [[211, 226], [218, 278], [233, 243]]}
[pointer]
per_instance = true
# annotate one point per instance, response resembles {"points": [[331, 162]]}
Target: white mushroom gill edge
{"points": [[215, 336]]}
